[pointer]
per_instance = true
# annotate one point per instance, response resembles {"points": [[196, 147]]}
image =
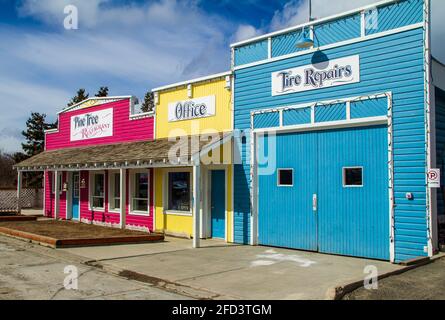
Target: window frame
{"points": [[167, 192], [344, 177], [91, 188], [53, 182], [111, 189], [278, 178], [132, 174]]}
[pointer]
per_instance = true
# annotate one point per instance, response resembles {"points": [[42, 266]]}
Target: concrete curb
{"points": [[70, 243], [338, 292], [17, 218], [173, 287]]}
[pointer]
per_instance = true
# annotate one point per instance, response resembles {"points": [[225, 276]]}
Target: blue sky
{"points": [[131, 46]]}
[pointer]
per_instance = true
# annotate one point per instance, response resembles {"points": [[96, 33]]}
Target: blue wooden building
{"points": [[340, 136]]}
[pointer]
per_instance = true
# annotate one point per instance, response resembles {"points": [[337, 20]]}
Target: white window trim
{"points": [[90, 191], [278, 178], [344, 177], [132, 173], [110, 192], [53, 182], [166, 193]]}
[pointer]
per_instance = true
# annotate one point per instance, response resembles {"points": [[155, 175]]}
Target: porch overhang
{"points": [[143, 154]]}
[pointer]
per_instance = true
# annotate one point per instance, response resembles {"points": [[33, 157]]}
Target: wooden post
{"points": [[196, 204], [56, 194], [19, 192], [123, 194]]}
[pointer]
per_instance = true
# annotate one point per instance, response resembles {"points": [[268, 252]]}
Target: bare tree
{"points": [[7, 173]]}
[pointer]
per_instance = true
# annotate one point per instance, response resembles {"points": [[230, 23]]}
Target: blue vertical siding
{"points": [[440, 146], [251, 52], [285, 214], [395, 16], [332, 112], [266, 120], [383, 69], [287, 43], [242, 202], [399, 14], [354, 221], [296, 116], [337, 30], [369, 108]]}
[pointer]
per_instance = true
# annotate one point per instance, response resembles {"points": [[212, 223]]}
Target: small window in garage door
{"points": [[352, 177], [285, 177]]}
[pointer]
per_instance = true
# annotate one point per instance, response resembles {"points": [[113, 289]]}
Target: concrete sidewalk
{"points": [[221, 271]]}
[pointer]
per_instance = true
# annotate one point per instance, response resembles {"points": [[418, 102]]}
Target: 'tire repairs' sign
{"points": [[326, 74]]}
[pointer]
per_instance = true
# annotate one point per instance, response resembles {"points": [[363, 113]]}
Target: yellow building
{"points": [[198, 113]]}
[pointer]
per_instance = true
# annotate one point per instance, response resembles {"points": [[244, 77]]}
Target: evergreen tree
{"points": [[35, 134], [149, 103], [80, 96], [103, 92], [35, 144]]}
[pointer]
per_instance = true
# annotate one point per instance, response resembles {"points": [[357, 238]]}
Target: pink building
{"points": [[93, 196]]}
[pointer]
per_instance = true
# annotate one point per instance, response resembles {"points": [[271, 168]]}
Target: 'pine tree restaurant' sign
{"points": [[92, 125]]}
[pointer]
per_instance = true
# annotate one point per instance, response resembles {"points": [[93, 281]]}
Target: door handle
{"points": [[314, 202]]}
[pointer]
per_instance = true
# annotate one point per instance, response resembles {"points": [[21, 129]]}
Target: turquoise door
{"points": [[333, 196], [75, 197], [218, 209], [286, 217], [354, 219]]}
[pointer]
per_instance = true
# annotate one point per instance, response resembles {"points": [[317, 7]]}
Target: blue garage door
{"points": [[328, 194]]}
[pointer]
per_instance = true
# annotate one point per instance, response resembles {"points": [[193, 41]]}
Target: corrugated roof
{"points": [[141, 153]]}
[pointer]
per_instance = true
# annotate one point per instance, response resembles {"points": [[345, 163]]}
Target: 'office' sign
{"points": [[191, 109]]}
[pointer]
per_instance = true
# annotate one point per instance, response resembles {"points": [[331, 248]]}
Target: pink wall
{"points": [[50, 197], [99, 216], [124, 129], [138, 220]]}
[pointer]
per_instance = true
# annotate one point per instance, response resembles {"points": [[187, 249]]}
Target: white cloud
{"points": [[296, 12], [245, 32], [129, 47], [438, 29], [19, 99], [51, 11]]}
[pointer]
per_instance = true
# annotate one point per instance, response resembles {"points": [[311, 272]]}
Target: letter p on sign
{"points": [[434, 178]]}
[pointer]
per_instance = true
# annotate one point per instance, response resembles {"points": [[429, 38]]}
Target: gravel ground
{"points": [[423, 283], [32, 272], [68, 230]]}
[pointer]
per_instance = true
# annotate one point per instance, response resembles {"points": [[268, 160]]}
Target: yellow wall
{"points": [[183, 225], [221, 122]]}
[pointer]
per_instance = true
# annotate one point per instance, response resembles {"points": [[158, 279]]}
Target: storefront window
{"points": [[115, 191], [98, 191], [179, 191], [139, 192]]}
